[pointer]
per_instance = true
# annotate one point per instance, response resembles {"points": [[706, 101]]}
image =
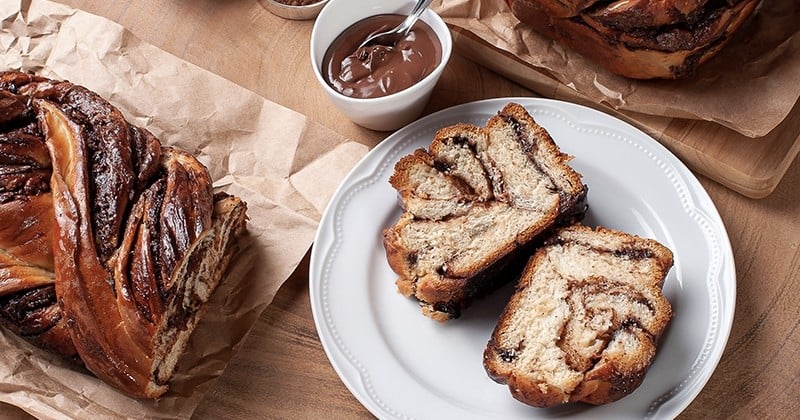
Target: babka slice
{"points": [[585, 319], [473, 204]]}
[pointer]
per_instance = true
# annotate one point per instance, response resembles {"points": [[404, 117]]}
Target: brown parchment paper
{"points": [[750, 87], [270, 156]]}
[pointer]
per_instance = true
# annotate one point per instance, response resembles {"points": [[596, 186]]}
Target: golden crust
{"points": [[112, 245], [613, 39]]}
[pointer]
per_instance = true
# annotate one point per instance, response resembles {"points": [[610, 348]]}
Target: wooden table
{"points": [[759, 375]]}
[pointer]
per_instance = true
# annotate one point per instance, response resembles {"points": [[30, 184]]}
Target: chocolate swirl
{"points": [[27, 283], [585, 320], [114, 241]]}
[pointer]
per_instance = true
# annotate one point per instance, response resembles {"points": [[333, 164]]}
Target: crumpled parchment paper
{"points": [[750, 87]]}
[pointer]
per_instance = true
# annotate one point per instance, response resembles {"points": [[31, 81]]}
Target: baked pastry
{"points": [[474, 203], [27, 283], [584, 320], [122, 238], [641, 39]]}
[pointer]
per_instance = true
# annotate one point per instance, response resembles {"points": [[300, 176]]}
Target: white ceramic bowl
{"points": [[293, 12], [387, 112]]}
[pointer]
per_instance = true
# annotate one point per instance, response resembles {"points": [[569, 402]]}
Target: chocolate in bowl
{"points": [[379, 70], [383, 113]]}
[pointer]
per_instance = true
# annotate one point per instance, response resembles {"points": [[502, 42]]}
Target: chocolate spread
{"points": [[379, 70]]}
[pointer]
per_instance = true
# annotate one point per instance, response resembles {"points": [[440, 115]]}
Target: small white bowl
{"points": [[387, 112], [293, 12]]}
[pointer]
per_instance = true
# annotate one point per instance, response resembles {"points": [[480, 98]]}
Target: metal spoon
{"points": [[392, 36]]}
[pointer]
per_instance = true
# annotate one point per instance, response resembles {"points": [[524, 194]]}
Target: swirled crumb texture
{"points": [[585, 319]]}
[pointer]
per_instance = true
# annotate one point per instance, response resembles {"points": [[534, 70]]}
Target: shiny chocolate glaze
{"points": [[379, 70]]}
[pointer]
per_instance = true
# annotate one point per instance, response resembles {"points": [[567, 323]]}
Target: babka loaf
{"points": [[27, 224], [111, 244], [474, 203], [641, 39], [585, 319]]}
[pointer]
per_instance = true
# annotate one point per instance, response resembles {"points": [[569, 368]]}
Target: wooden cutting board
{"points": [[750, 166]]}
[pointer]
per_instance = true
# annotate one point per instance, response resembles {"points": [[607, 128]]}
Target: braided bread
{"points": [[115, 242], [27, 282], [641, 39]]}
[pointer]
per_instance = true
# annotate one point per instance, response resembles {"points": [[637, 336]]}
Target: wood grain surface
{"points": [[282, 371]]}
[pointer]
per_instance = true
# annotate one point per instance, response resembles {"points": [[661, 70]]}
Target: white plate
{"points": [[400, 364]]}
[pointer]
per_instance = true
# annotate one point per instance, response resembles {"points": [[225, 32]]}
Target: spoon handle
{"points": [[416, 12]]}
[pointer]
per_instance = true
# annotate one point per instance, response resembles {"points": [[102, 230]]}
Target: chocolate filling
{"points": [[25, 312]]}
